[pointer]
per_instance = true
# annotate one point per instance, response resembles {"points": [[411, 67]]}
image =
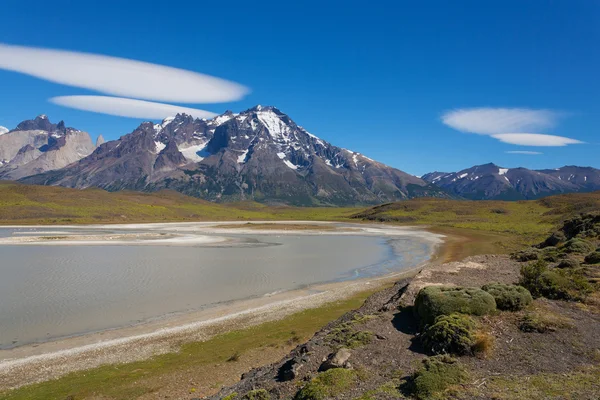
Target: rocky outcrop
{"points": [[38, 146], [100, 140]]}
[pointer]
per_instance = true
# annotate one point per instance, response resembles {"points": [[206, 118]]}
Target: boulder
{"points": [[338, 359]]}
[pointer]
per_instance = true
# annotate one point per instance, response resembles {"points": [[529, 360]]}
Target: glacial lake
{"points": [[56, 291]]}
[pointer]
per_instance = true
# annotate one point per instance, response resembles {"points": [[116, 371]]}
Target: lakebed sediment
{"points": [[32, 363]]}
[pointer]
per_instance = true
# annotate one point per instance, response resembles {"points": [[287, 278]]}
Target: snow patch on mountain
{"points": [[159, 146], [290, 164], [502, 171], [242, 158], [3, 130], [192, 152], [276, 127]]}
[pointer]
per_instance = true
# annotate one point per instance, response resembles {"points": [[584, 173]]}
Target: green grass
{"points": [[25, 204], [129, 381], [582, 384], [328, 384], [530, 221]]}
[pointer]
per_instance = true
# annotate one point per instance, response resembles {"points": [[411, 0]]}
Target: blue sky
{"points": [[378, 78]]}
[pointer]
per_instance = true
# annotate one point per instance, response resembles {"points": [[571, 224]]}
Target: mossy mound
{"points": [[433, 301], [568, 263], [578, 246], [593, 258], [328, 384], [509, 297], [435, 376], [452, 334], [258, 394], [556, 284], [529, 254]]}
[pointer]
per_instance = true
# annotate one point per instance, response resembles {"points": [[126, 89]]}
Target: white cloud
{"points": [[490, 121], [495, 122], [119, 76], [535, 139], [3, 130], [127, 107], [531, 153]]}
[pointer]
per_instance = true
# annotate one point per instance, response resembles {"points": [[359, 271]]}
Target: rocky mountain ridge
{"points": [[491, 182], [259, 154]]}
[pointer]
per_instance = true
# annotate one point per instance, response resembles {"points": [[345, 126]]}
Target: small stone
{"points": [[339, 359]]}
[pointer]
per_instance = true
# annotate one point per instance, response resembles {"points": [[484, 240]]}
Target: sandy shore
{"points": [[34, 363]]}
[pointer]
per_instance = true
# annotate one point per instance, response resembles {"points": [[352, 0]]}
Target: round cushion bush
{"points": [[433, 301], [450, 334], [509, 297], [593, 258], [578, 246]]}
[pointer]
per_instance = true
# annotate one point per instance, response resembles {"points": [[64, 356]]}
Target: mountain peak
{"points": [[3, 130], [261, 108]]}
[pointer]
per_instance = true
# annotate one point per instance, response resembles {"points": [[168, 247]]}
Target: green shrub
{"points": [[330, 383], [557, 284], [433, 301], [345, 335], [568, 263], [454, 334], [258, 394], [435, 376], [230, 397], [593, 258], [579, 246], [509, 297], [529, 254]]}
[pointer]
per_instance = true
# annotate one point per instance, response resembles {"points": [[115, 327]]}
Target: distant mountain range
{"points": [[259, 154], [491, 182]]}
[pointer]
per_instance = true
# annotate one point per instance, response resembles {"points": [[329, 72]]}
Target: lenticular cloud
{"points": [[496, 122], [489, 121], [123, 107], [119, 76], [535, 139]]}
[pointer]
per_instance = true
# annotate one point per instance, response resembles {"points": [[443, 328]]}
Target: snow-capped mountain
{"points": [[36, 146], [490, 181], [258, 154], [3, 130]]}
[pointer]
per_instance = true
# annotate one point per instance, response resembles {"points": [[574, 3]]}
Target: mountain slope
{"points": [[259, 154], [489, 181], [37, 146]]}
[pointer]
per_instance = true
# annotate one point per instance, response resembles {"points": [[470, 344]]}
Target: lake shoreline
{"points": [[39, 362]]}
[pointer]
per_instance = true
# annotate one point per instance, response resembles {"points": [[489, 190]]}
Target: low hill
{"points": [[32, 204]]}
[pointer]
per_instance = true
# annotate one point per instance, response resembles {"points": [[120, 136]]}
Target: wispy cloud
{"points": [[498, 122], [119, 76], [535, 139], [127, 107], [489, 121], [531, 153]]}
